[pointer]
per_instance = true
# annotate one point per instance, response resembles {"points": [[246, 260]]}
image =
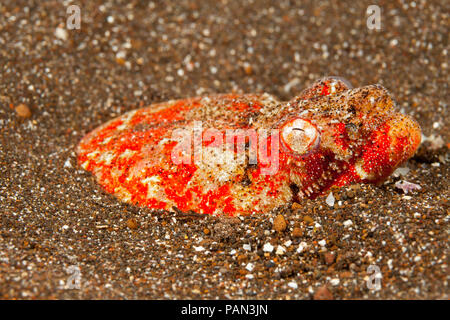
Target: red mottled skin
{"points": [[362, 139]]}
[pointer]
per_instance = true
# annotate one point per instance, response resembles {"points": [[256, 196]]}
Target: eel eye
{"points": [[300, 136]]}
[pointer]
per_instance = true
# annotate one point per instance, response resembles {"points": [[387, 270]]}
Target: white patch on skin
{"points": [[153, 186], [127, 154], [333, 87], [122, 193], [246, 200], [162, 106], [106, 140], [135, 173], [85, 164], [107, 157], [126, 120], [93, 154], [164, 141], [360, 171], [267, 97], [303, 113], [219, 164], [205, 100]]}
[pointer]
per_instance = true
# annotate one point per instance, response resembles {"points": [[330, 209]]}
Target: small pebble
{"points": [[293, 285], [280, 250], [297, 232], [268, 247], [301, 247], [323, 294], [347, 223], [407, 186], [279, 223], [334, 282], [329, 258], [296, 206], [61, 33], [330, 199], [308, 219], [132, 224], [23, 111]]}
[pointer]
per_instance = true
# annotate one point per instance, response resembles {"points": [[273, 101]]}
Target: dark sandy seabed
{"points": [[132, 53]]}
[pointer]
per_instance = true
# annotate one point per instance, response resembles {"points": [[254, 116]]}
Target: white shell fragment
{"points": [[407, 186], [330, 200]]}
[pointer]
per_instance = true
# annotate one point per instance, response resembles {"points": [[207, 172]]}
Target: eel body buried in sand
{"points": [[242, 154]]}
